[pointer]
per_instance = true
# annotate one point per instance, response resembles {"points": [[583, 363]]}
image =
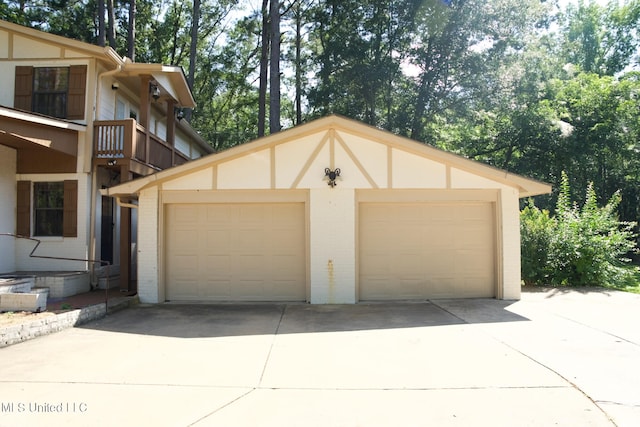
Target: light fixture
{"points": [[115, 86], [331, 176], [179, 114], [154, 90], [112, 162]]}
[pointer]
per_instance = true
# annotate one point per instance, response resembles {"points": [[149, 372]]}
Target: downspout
{"points": [[94, 179]]}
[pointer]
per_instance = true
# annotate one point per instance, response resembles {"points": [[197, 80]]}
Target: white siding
{"points": [[149, 290], [182, 145], [106, 109]]}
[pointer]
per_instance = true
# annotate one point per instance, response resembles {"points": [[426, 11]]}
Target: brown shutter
{"points": [[23, 211], [23, 88], [77, 92], [70, 213]]}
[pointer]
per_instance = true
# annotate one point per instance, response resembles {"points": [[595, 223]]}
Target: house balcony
{"points": [[127, 143]]}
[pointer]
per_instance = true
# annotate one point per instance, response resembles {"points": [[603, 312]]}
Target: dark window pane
{"points": [[48, 208], [51, 79], [50, 104], [48, 222], [50, 87]]}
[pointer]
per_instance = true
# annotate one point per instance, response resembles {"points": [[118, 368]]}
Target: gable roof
{"points": [[170, 77], [526, 187], [106, 54]]}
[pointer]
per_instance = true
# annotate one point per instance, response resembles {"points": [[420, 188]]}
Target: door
{"points": [[426, 250], [236, 252]]}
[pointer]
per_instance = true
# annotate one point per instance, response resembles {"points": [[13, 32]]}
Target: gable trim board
{"points": [[448, 225]]}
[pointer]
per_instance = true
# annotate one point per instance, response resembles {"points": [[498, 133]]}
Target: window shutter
{"points": [[77, 92], [23, 211], [70, 213], [23, 88]]}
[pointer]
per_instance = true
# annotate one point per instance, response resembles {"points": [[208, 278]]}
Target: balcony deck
{"points": [[119, 141]]}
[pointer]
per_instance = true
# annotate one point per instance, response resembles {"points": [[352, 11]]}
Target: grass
{"points": [[632, 285]]}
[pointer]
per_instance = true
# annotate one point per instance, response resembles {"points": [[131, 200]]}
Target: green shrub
{"points": [[577, 246], [536, 234]]}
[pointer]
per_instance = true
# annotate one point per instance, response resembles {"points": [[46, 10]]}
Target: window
{"points": [[48, 206], [53, 91], [54, 206], [120, 109], [50, 87]]}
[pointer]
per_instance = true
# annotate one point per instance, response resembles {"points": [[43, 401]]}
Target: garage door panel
{"points": [[244, 252], [218, 241], [187, 240], [216, 266], [216, 214], [431, 250], [182, 215]]}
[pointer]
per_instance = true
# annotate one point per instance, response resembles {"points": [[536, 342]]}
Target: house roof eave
{"points": [[526, 187]]}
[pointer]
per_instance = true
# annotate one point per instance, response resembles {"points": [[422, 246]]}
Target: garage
{"points": [[332, 211], [410, 251], [235, 252]]}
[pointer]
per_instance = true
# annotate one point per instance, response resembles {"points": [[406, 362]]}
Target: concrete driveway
{"points": [[554, 358]]}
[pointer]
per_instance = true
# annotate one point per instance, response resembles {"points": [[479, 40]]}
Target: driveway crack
{"points": [[273, 341], [221, 407]]}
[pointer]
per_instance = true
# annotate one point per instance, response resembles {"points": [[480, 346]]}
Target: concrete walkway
{"points": [[554, 358]]}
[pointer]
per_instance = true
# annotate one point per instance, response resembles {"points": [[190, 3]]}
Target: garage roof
{"points": [[526, 187]]}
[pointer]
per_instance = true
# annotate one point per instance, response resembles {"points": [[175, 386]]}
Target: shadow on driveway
{"points": [[222, 320]]}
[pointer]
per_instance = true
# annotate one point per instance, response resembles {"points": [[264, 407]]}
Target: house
{"points": [[332, 211], [76, 118]]}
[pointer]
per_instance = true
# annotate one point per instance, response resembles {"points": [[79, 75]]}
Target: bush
{"points": [[579, 246]]}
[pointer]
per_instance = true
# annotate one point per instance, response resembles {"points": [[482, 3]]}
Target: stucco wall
{"points": [[149, 280], [7, 208], [332, 246], [510, 266]]}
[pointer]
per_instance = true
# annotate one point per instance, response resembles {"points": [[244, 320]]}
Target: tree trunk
{"points": [[102, 37], [111, 24], [264, 63], [131, 39], [195, 24], [274, 69], [298, 62]]}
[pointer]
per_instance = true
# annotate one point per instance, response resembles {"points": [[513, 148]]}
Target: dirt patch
{"points": [[17, 317]]}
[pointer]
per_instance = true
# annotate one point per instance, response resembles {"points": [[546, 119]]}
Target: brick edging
{"points": [[20, 332]]}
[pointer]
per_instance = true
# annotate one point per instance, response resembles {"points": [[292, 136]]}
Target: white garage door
{"points": [[426, 250], [235, 252]]}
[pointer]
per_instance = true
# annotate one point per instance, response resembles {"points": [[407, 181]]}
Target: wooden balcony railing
{"points": [[126, 139]]}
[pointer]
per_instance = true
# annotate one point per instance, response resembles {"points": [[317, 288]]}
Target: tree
{"points": [[193, 47], [111, 24], [264, 68], [131, 33], [600, 39], [274, 66], [102, 36], [298, 16]]}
